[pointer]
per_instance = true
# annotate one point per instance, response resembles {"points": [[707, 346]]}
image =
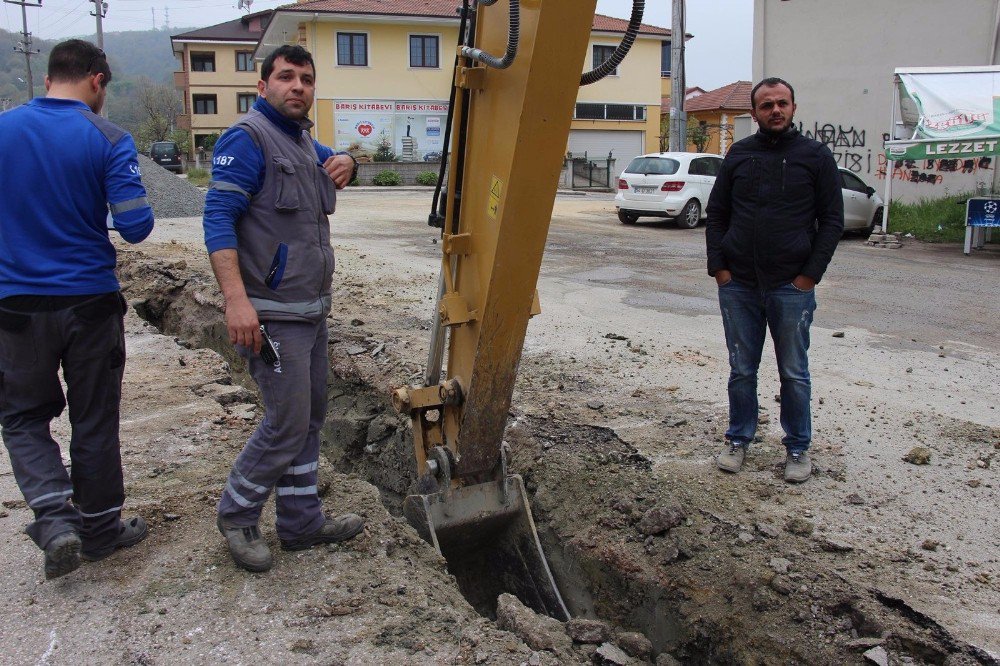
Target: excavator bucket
{"points": [[487, 534]]}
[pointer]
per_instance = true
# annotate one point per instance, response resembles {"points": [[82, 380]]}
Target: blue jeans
{"points": [[747, 311]]}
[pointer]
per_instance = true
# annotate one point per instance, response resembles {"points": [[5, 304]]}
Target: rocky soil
{"points": [[615, 421]]}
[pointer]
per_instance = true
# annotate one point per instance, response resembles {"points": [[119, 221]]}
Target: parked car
{"points": [[167, 155], [862, 205], [670, 185]]}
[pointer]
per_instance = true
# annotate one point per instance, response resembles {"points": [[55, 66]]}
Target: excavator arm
{"points": [[517, 76]]}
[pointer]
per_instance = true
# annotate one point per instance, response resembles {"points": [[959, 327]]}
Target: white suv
{"points": [[671, 185]]}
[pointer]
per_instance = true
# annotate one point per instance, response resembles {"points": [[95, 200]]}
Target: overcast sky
{"points": [[719, 53]]}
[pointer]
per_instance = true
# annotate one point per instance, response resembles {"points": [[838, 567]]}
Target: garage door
{"points": [[623, 145]]}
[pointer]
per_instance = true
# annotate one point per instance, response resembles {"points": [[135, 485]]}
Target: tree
{"points": [[159, 104], [383, 149], [699, 133]]}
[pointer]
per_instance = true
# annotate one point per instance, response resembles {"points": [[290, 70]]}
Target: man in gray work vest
{"points": [[268, 236]]}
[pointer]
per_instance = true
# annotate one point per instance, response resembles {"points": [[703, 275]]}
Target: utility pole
{"points": [[100, 11], [678, 85], [24, 46]]}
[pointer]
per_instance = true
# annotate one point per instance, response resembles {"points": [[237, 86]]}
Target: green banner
{"points": [[932, 150]]}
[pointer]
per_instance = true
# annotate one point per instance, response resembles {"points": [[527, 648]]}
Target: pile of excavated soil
{"points": [[663, 570]]}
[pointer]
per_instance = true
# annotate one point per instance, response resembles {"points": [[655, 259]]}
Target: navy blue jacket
{"points": [[776, 210]]}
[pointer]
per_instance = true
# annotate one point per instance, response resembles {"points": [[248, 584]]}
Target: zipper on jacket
{"points": [[784, 163]]}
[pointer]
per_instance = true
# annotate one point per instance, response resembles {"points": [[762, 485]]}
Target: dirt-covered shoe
{"points": [[62, 555], [731, 458], [130, 533], [247, 547], [798, 467], [333, 530]]}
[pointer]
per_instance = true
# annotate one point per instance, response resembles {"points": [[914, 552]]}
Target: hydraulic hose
{"points": [[513, 36], [609, 65]]}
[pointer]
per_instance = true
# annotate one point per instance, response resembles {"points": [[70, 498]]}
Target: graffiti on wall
{"points": [[847, 144], [932, 172]]}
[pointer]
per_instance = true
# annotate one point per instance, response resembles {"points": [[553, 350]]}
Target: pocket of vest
{"points": [[277, 270], [287, 197]]}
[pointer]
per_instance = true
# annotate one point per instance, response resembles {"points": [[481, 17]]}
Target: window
{"points": [[659, 166], [244, 101], [853, 183], [244, 62], [352, 49], [423, 51], [665, 59], [602, 54], [203, 62], [205, 104], [590, 111]]}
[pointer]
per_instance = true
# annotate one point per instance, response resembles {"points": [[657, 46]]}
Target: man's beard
{"points": [[777, 132]]}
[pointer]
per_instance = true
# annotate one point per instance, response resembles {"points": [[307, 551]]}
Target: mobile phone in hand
{"points": [[268, 352]]}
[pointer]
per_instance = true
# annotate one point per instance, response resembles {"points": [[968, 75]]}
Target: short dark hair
{"points": [[293, 54], [770, 81], [75, 59]]}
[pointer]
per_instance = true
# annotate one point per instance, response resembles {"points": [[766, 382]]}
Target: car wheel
{"points": [[690, 215], [876, 221], [627, 218]]}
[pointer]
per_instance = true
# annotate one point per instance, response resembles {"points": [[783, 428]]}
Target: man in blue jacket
{"points": [[267, 231], [63, 166], [774, 218]]}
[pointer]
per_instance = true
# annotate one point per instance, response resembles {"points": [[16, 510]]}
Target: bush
{"points": [[387, 178], [209, 142], [931, 220], [427, 178], [199, 177]]}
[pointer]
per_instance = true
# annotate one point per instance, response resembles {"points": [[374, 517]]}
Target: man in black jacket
{"points": [[774, 219]]}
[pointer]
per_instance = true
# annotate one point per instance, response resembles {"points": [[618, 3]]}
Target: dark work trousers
{"points": [[88, 340], [283, 453]]}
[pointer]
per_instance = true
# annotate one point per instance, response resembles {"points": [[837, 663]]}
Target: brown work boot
{"points": [[341, 528], [246, 546], [731, 458]]}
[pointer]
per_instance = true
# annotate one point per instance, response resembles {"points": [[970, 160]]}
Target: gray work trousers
{"points": [[88, 340], [283, 453]]}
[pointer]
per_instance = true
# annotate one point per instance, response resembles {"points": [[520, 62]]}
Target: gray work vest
{"points": [[285, 255]]}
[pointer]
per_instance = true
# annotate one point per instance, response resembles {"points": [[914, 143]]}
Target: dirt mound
{"points": [[169, 194]]}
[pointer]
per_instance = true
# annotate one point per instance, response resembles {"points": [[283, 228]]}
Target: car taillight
{"points": [[672, 186], [622, 185]]}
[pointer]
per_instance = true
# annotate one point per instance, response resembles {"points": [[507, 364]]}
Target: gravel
{"points": [[168, 194]]}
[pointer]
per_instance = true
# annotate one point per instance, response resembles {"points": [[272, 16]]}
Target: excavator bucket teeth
{"points": [[488, 538]]}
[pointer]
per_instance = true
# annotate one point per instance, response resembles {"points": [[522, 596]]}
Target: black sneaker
{"points": [[341, 528], [129, 534], [246, 546], [62, 555]]}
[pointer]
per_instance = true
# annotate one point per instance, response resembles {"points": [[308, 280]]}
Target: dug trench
{"points": [[666, 575]]}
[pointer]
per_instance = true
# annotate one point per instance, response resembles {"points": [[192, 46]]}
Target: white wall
{"points": [[840, 56]]}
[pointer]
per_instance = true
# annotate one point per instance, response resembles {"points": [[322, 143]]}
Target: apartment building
{"points": [[384, 70]]}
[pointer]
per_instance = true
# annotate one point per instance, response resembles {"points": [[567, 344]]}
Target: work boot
{"points": [[129, 534], [341, 528], [731, 458], [798, 467], [62, 555], [246, 546]]}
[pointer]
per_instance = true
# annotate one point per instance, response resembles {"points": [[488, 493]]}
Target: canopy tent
{"points": [[942, 112]]}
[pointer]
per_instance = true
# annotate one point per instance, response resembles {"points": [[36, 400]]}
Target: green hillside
{"points": [[140, 61], [132, 55]]}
